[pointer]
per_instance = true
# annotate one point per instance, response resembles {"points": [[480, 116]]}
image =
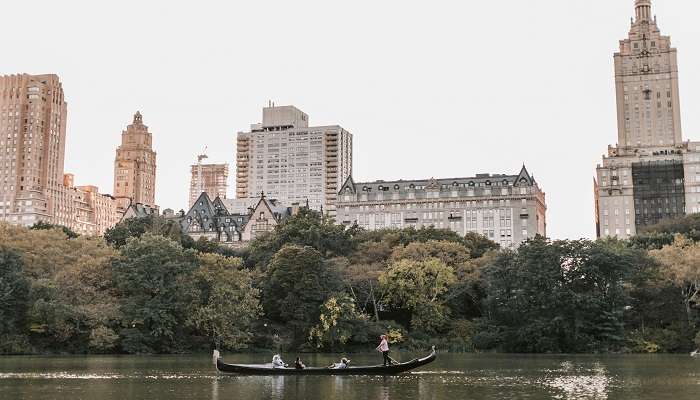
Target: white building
{"points": [[286, 159]]}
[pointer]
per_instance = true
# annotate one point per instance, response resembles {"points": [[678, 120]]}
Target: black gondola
{"points": [[266, 369]]}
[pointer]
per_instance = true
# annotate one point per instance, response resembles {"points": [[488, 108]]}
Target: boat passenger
{"points": [[344, 362], [277, 362], [384, 349], [298, 364]]}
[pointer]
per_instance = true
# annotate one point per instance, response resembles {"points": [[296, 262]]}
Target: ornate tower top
{"points": [[642, 10], [138, 118]]}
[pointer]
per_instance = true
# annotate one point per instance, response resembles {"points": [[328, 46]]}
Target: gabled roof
{"points": [[524, 177], [349, 183]]}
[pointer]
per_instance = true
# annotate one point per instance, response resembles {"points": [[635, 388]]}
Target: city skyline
{"points": [[544, 127]]}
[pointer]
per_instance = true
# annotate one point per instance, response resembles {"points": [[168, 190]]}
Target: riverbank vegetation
{"points": [[312, 285]]}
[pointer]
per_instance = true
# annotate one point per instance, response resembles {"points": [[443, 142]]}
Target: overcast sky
{"points": [[429, 89]]}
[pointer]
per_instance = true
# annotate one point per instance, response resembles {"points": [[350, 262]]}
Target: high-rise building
{"points": [[135, 166], [211, 179], [286, 159], [33, 186], [32, 138], [507, 209], [652, 174]]}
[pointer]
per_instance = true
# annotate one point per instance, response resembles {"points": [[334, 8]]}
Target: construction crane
{"points": [[200, 183]]}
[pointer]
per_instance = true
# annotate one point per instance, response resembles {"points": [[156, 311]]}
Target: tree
{"points": [[339, 320], [297, 282], [562, 296], [682, 262], [688, 226], [478, 244], [153, 276], [128, 228], [452, 254], [417, 286], [306, 228], [226, 304], [41, 225], [14, 302]]}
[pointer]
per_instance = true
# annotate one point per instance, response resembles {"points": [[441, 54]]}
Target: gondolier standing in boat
{"points": [[384, 349]]}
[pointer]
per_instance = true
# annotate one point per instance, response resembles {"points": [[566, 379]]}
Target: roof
{"points": [[522, 178]]}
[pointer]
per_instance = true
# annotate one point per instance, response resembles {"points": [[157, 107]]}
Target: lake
{"points": [[452, 376]]}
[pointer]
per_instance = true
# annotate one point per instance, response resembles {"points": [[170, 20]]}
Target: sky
{"points": [[434, 88]]}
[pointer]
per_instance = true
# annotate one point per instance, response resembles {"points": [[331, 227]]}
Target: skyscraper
{"points": [[33, 139], [135, 166], [292, 162], [652, 174], [211, 179], [33, 185]]}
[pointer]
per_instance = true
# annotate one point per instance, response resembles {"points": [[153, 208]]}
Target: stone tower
{"points": [[135, 166], [646, 82]]}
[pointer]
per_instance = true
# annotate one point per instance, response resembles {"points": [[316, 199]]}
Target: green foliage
{"points": [[152, 275], [306, 228], [339, 321], [119, 235], [688, 226], [478, 245], [41, 225], [395, 237], [697, 340], [418, 286], [297, 282], [14, 295], [563, 296], [226, 304]]}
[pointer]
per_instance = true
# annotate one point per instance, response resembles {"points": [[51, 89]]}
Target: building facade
{"points": [[651, 174], [32, 138], [507, 209], [135, 166], [208, 178], [33, 185], [211, 219], [288, 160]]}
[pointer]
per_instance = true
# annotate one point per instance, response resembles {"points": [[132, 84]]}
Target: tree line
{"points": [[312, 285]]}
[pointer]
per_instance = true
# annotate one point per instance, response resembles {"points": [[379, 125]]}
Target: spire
{"points": [[642, 10], [138, 118]]}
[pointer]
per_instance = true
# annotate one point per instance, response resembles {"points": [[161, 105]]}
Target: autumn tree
{"points": [[418, 287], [682, 262], [338, 321]]}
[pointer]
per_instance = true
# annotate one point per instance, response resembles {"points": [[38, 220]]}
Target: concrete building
{"points": [[507, 209], [32, 138], [208, 178], [135, 166], [288, 160], [33, 186], [651, 174]]}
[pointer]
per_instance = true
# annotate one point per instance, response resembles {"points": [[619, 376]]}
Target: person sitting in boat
{"points": [[298, 364], [344, 362], [277, 362]]}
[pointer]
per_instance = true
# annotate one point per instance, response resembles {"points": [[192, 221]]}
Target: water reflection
{"points": [[582, 383], [458, 376]]}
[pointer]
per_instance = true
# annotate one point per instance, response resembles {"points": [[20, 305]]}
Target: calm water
{"points": [[452, 376]]}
